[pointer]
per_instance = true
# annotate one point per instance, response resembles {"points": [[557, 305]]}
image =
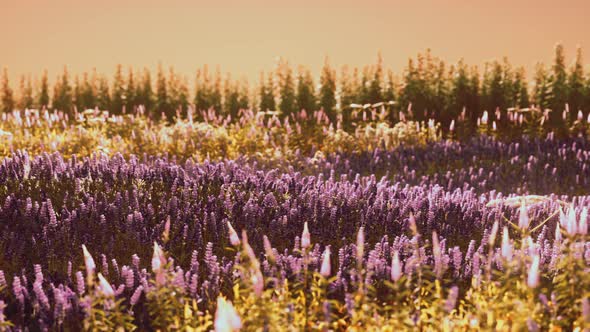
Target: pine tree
{"points": [[183, 94], [88, 92], [26, 93], [162, 101], [542, 89], [375, 88], [118, 92], [461, 89], [202, 89], [77, 94], [244, 99], [287, 104], [559, 93], [103, 96], [267, 98], [43, 97], [62, 96], [173, 93], [518, 95], [576, 85], [305, 91], [215, 97], [328, 90], [7, 95], [146, 92], [231, 98], [130, 91]]}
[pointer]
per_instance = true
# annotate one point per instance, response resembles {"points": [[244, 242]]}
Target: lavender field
{"points": [[407, 231]]}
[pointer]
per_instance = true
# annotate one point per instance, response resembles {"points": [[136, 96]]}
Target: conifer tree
{"points": [[305, 90], [267, 98], [576, 85], [215, 97], [287, 104], [461, 89], [183, 94], [162, 100], [173, 93], [7, 94], [146, 92], [231, 98], [328, 90], [43, 97], [118, 92], [103, 96], [375, 88], [542, 88], [88, 92], [26, 93], [130, 91], [77, 94], [244, 99], [519, 94], [202, 89], [62, 96], [558, 83]]}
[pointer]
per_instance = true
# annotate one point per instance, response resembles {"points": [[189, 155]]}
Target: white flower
{"points": [[523, 217], [533, 278], [360, 244], [234, 239], [226, 317], [88, 261], [583, 224], [104, 286], [325, 270], [305, 237], [571, 223], [158, 259], [396, 267]]}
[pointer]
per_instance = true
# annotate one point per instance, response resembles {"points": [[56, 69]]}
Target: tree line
{"points": [[427, 88]]}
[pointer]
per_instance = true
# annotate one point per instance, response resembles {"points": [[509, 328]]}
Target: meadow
{"points": [[121, 222], [442, 199]]}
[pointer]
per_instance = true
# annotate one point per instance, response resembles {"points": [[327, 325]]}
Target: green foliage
{"points": [[327, 97]]}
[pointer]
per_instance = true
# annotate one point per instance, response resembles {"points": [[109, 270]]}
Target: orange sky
{"points": [[245, 36]]}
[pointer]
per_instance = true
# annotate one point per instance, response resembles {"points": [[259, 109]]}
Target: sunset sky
{"points": [[246, 36]]}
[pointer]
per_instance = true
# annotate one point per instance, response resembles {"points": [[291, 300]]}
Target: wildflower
{"points": [[136, 295], [305, 237], [532, 325], [325, 270], [494, 232], [257, 281], [506, 246], [226, 317], [396, 267], [158, 259], [233, 236], [104, 287], [583, 223], [268, 249], [360, 245], [452, 299], [571, 223], [557, 233], [452, 126], [88, 261], [533, 278], [166, 233], [523, 217]]}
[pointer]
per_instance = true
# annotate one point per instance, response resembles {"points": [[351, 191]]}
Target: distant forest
{"points": [[428, 88]]}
